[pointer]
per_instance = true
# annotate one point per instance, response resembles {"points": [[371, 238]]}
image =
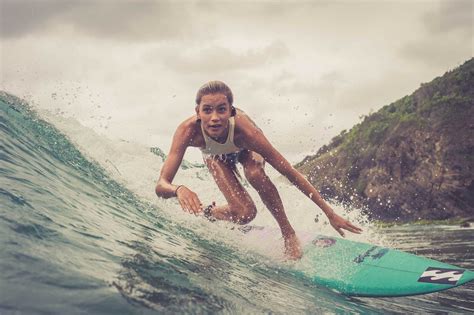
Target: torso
{"points": [[196, 139]]}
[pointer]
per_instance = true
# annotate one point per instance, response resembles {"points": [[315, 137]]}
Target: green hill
{"points": [[413, 159]]}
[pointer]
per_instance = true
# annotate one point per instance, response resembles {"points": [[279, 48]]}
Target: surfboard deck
{"points": [[361, 269]]}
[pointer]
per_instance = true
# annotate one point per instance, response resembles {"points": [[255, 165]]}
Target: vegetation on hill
{"points": [[412, 159]]}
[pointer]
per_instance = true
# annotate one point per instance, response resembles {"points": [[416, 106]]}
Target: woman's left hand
{"points": [[339, 223], [292, 247]]}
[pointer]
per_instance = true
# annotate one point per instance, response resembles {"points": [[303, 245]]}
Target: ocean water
{"points": [[81, 232]]}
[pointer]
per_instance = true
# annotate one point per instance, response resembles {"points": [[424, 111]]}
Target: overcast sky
{"points": [[302, 70]]}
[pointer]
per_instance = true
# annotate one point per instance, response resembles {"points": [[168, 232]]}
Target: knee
{"points": [[245, 214], [255, 174]]}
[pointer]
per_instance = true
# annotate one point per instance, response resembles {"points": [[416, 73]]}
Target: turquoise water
{"points": [[73, 240]]}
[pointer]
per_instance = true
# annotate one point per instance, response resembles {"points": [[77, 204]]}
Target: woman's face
{"points": [[214, 112]]}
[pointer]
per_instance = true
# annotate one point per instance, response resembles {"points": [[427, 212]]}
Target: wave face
{"points": [[75, 239]]}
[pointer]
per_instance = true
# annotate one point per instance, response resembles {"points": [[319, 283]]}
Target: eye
{"points": [[207, 110], [222, 109]]}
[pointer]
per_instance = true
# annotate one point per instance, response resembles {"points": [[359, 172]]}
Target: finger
{"points": [[200, 203], [353, 230], [187, 206], [339, 230], [352, 225], [182, 205], [191, 207], [358, 229], [197, 206]]}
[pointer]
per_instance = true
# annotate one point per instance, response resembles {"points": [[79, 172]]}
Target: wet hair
{"points": [[214, 87]]}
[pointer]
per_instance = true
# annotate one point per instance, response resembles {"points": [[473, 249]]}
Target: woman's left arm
{"points": [[256, 141]]}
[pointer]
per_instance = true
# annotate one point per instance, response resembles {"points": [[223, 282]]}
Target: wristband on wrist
{"points": [[176, 190], [207, 212]]}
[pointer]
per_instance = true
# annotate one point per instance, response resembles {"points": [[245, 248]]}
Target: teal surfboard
{"points": [[361, 269]]}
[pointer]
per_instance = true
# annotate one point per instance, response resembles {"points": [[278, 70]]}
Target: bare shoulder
{"points": [[247, 133], [188, 123], [244, 124], [189, 132]]}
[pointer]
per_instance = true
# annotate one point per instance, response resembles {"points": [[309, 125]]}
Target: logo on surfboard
{"points": [[324, 242], [441, 275], [374, 252]]}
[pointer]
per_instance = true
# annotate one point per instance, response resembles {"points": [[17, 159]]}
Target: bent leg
{"points": [[254, 172], [240, 208]]}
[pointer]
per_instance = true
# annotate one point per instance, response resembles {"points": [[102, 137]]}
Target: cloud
{"points": [[456, 15], [303, 71], [21, 17], [448, 36], [325, 86], [433, 52], [113, 20], [218, 59]]}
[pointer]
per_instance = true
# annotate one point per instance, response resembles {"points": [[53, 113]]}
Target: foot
{"points": [[292, 247]]}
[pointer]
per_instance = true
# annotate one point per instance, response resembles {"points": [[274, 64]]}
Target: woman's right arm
{"points": [[164, 188]]}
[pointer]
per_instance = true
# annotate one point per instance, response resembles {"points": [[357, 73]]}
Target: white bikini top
{"points": [[215, 148]]}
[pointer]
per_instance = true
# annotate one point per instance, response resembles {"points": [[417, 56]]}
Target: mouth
{"points": [[215, 127]]}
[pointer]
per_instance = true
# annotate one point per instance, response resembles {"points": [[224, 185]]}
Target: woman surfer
{"points": [[226, 135]]}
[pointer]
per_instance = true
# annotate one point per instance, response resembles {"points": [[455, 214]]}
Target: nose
{"points": [[214, 116]]}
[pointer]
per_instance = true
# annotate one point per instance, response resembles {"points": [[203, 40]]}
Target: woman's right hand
{"points": [[188, 200]]}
